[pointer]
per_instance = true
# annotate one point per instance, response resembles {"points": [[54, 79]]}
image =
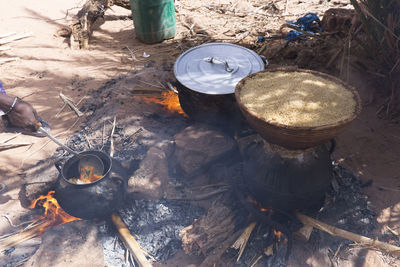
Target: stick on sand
{"points": [[366, 241], [15, 37]]}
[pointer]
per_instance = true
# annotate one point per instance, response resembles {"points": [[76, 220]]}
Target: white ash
{"points": [[157, 224]]}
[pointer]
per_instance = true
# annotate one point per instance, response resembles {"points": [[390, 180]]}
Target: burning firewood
{"points": [[53, 216], [212, 234]]}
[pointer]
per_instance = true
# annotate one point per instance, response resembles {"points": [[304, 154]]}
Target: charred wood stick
{"points": [[217, 253], [130, 242], [332, 230], [71, 105], [15, 37], [198, 197]]}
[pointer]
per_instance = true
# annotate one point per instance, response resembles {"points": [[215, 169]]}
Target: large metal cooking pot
{"points": [[207, 76], [94, 200]]}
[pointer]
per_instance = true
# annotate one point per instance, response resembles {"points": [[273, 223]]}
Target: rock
{"points": [[151, 178], [199, 145], [73, 244]]}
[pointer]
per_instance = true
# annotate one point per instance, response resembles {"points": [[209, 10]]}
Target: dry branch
{"points": [[365, 241], [65, 105], [71, 104], [10, 138], [130, 242], [82, 27], [11, 146]]}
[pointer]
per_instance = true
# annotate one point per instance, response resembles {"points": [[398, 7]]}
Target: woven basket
{"points": [[294, 137]]}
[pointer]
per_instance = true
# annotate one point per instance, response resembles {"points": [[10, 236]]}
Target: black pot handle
{"points": [[121, 181], [333, 146], [265, 60], [171, 87], [58, 166]]}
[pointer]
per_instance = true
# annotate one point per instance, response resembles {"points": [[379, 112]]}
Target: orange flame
{"points": [[53, 214], [257, 204], [168, 99], [278, 235]]}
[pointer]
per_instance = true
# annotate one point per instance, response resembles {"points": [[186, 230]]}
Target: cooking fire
{"points": [[53, 214], [231, 171], [255, 207], [169, 100]]}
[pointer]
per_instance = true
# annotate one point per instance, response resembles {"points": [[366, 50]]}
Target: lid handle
{"points": [[214, 60]]}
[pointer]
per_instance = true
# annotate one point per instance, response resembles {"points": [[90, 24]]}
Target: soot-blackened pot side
{"points": [[287, 183]]}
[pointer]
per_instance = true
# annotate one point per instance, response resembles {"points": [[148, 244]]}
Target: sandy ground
{"points": [[47, 66]]}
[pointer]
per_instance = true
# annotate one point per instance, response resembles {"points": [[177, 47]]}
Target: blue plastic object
{"points": [[309, 23], [2, 89], [260, 39]]}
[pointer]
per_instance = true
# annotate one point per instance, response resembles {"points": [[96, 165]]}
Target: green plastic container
{"points": [[154, 20]]}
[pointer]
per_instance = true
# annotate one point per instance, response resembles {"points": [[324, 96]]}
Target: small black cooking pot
{"points": [[95, 200]]}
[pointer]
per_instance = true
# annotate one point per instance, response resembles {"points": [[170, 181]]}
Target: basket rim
{"points": [[352, 89]]}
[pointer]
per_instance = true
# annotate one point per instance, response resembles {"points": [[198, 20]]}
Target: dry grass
{"points": [[377, 47]]}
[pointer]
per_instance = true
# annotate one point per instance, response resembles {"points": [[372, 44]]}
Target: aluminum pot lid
{"points": [[216, 68]]}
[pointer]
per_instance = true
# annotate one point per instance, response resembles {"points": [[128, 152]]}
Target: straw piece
{"points": [[15, 37]]}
